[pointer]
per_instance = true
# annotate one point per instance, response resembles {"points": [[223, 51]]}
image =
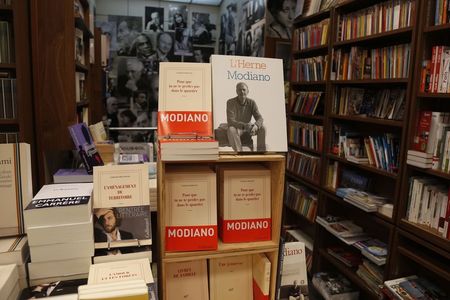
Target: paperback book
{"points": [[187, 280], [248, 104]]}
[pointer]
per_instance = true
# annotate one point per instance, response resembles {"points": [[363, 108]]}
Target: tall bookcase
{"points": [[418, 248], [16, 125], [276, 164], [351, 40], [54, 75]]}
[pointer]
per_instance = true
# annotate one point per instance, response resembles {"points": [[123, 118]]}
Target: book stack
{"points": [[15, 250], [373, 249], [185, 102], [9, 282], [120, 280], [413, 287], [334, 286], [348, 257], [60, 232], [372, 275], [345, 230], [363, 200]]}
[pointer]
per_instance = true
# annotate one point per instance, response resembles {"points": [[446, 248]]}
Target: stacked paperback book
{"points": [[60, 232], [363, 200], [9, 282]]}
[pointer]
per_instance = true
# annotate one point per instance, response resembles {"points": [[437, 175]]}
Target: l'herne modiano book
{"points": [[248, 104]]}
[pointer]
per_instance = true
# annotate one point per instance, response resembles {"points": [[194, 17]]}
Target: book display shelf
{"points": [[64, 89], [276, 164], [370, 85]]}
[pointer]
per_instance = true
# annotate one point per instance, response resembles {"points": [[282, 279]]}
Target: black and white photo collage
{"points": [[242, 28], [137, 46]]}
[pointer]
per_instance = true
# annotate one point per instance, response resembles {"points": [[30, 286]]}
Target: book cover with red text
{"points": [[190, 212], [244, 203]]}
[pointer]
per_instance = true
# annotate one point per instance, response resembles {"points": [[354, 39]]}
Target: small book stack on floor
{"points": [[9, 282], [60, 232], [15, 250]]}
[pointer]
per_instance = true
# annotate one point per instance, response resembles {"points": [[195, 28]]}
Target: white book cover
{"points": [[294, 280], [121, 271], [132, 289], [8, 279], [59, 268], [187, 280], [15, 186], [244, 204], [248, 104], [121, 185], [57, 204], [62, 251], [231, 278], [190, 209]]}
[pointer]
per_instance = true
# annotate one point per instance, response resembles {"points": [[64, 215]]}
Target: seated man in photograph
{"points": [[240, 111]]}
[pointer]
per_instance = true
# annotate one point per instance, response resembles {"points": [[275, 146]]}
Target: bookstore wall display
{"points": [[351, 113]]}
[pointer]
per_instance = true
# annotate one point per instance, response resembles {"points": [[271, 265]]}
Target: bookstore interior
{"points": [[225, 149]]}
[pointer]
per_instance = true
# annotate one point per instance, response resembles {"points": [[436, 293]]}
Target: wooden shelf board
{"points": [[444, 28], [223, 250], [235, 158], [424, 262], [311, 50], [80, 24], [311, 117], [318, 82], [9, 122], [392, 34], [306, 181], [350, 273], [314, 18], [307, 149], [364, 166], [81, 68], [372, 81], [303, 217], [10, 66], [434, 95], [385, 122], [426, 233], [432, 172]]}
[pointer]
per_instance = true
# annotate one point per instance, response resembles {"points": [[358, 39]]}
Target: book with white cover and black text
{"points": [[248, 104]]}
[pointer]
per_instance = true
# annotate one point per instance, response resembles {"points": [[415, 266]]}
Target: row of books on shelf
{"points": [[5, 2], [303, 164], [6, 43], [302, 200], [9, 137], [80, 87], [306, 103], [310, 36], [309, 69], [8, 101], [436, 71], [351, 234], [429, 205], [430, 146], [306, 135], [378, 18], [311, 7], [442, 12], [381, 152], [413, 287], [376, 63], [374, 103]]}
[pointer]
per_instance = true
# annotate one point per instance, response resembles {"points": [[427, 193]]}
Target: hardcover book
{"points": [[244, 203], [248, 104], [191, 216], [184, 100], [187, 280], [16, 188], [57, 204], [231, 278], [85, 146], [121, 271]]}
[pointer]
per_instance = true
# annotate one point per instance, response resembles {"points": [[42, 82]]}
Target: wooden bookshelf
{"points": [[401, 33], [369, 120]]}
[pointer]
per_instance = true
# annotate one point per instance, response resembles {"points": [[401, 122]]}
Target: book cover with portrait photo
{"points": [[248, 104]]}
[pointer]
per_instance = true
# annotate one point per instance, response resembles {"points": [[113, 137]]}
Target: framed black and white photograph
{"points": [[248, 104], [283, 51], [229, 27], [257, 46], [183, 42], [154, 19], [127, 29], [203, 28], [177, 17], [279, 18], [202, 54]]}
